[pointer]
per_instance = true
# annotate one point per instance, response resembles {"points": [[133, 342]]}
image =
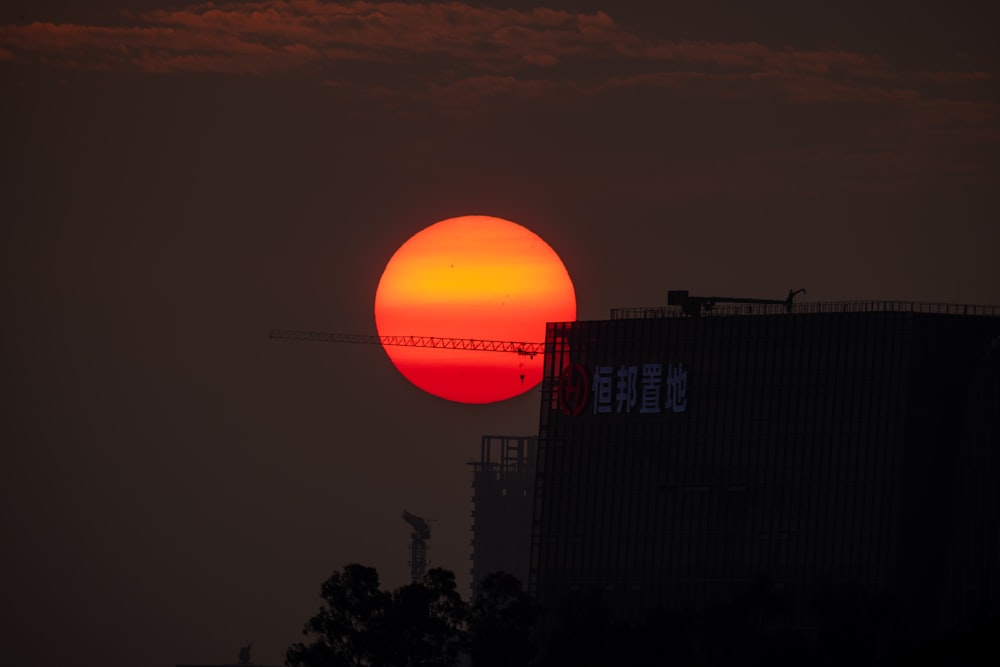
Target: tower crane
{"points": [[418, 545], [693, 306], [522, 348]]}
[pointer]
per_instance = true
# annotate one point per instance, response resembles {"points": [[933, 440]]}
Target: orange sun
{"points": [[475, 277]]}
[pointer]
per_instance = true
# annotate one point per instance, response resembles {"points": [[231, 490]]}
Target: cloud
{"points": [[461, 59], [241, 37], [270, 35], [455, 47]]}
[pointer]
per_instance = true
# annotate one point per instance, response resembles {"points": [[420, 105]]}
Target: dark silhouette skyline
{"points": [[428, 622], [176, 182]]}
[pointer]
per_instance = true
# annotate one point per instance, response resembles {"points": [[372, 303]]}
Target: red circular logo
{"points": [[573, 389]]}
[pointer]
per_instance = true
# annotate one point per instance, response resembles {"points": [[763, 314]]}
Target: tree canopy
{"points": [[422, 623], [360, 625], [501, 623]]}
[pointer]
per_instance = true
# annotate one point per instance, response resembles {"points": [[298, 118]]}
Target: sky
{"points": [[178, 178]]}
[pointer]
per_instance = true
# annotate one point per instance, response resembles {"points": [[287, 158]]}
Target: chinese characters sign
{"points": [[646, 388]]}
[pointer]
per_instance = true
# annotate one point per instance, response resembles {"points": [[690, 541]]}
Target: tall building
{"points": [[503, 482], [684, 453]]}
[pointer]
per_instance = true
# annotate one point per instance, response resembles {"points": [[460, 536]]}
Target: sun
{"points": [[479, 277]]}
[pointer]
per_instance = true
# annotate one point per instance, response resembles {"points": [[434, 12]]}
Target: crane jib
{"points": [[528, 349]]}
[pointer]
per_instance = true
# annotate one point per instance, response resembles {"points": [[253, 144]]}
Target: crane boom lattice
{"points": [[517, 347], [418, 545]]}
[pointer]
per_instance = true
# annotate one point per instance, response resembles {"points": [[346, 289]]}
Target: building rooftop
{"points": [[806, 308]]}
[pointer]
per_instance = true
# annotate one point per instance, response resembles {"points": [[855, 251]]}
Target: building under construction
{"points": [[503, 482]]}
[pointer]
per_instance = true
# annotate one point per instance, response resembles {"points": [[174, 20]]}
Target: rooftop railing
{"points": [[808, 308]]}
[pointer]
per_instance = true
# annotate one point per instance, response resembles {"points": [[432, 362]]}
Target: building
{"points": [[683, 454], [503, 482]]}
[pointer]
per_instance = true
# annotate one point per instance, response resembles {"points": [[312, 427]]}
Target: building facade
{"points": [[503, 481], [682, 457]]}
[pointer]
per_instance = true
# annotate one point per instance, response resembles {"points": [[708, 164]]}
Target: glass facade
{"points": [[680, 458]]}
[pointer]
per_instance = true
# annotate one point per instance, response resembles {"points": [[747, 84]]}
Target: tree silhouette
{"points": [[587, 634], [424, 623], [359, 625], [501, 624], [347, 631]]}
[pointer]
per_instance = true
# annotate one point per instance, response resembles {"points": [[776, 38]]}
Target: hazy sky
{"points": [[179, 178]]}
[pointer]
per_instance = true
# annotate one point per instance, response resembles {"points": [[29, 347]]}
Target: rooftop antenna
{"points": [[418, 545]]}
